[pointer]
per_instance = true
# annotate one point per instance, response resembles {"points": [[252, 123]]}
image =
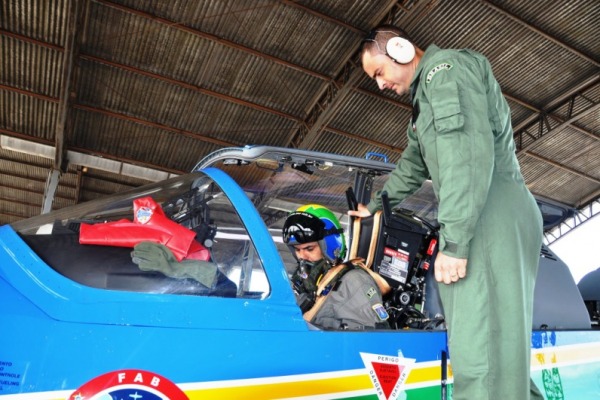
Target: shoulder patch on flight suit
{"points": [[437, 69], [380, 311], [371, 292]]}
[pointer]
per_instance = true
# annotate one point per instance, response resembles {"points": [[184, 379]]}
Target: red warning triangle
{"points": [[387, 373]]}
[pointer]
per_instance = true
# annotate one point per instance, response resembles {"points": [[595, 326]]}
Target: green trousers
{"points": [[489, 313]]}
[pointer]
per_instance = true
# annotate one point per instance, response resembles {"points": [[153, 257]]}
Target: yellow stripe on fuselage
{"points": [[557, 356], [284, 389], [425, 374]]}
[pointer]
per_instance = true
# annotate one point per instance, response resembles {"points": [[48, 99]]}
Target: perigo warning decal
{"points": [[129, 384], [388, 374]]}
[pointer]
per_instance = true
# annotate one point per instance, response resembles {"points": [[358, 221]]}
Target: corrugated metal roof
{"points": [[160, 84]]}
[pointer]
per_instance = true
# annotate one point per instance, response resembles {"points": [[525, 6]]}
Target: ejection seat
{"points": [[550, 311], [365, 233]]}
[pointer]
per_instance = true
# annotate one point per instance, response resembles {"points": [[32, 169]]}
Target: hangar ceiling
{"points": [[99, 96]]}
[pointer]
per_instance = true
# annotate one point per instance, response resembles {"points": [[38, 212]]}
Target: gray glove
{"points": [[150, 256]]}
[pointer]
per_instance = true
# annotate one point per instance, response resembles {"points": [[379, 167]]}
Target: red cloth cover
{"points": [[198, 252], [149, 224]]}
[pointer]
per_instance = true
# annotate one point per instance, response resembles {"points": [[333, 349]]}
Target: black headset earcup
{"points": [[400, 50]]}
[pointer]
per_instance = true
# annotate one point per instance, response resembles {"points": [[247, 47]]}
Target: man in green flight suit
{"points": [[460, 136]]}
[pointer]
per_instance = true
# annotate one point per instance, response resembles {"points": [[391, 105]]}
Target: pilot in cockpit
{"points": [[332, 294]]}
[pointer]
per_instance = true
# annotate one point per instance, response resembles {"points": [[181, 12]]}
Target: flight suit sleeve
{"points": [[464, 145], [407, 177]]}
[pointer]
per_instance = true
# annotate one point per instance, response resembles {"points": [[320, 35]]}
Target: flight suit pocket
{"points": [[446, 108]]}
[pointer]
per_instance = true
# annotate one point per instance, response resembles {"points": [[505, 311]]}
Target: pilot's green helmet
{"points": [[315, 223]]}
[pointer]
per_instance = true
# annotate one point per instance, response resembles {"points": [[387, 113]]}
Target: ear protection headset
{"points": [[399, 49]]}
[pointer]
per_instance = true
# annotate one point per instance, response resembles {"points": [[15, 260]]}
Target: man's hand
{"points": [[362, 211], [449, 269]]}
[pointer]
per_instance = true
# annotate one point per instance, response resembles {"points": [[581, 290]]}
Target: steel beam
{"points": [[50, 190], [545, 131], [582, 216]]}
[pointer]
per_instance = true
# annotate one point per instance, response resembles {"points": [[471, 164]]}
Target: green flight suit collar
{"points": [[427, 56]]}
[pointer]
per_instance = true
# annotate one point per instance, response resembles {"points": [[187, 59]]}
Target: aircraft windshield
{"points": [[276, 187], [92, 243]]}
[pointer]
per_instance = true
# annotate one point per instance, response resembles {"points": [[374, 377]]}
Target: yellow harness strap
{"points": [[383, 285], [329, 276]]}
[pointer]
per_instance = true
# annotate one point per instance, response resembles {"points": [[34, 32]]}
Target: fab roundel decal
{"points": [[388, 374], [129, 384]]}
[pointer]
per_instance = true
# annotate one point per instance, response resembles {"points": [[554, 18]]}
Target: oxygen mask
{"points": [[306, 280]]}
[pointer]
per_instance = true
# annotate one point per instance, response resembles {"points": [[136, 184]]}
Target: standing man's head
{"points": [[390, 57], [313, 233]]}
